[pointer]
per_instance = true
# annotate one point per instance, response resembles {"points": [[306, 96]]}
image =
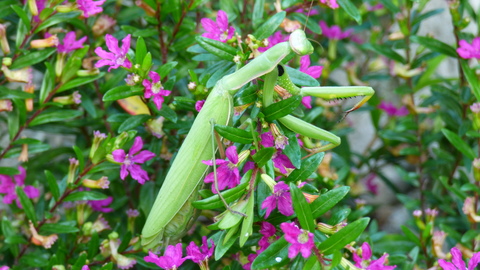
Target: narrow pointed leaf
{"points": [[328, 200], [234, 134], [308, 166], [281, 108], [302, 209], [459, 143], [275, 255], [263, 156], [217, 48], [215, 202], [343, 237], [26, 204], [270, 26], [121, 92]]}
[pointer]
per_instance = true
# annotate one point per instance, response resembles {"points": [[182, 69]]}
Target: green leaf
{"points": [[9, 171], [165, 69], [217, 48], [6, 93], [85, 196], [351, 10], [66, 227], [48, 83], [312, 25], [269, 27], [247, 225], [385, 51], [23, 16], [308, 166], [133, 121], [220, 247], [234, 134], [141, 50], [32, 58], [80, 157], [282, 108], [52, 184], [390, 6], [300, 78], [257, 14], [58, 18], [14, 121], [230, 195], [79, 81], [73, 64], [459, 143], [147, 62], [471, 77], [302, 209], [275, 255], [343, 237], [435, 45], [93, 245], [26, 204], [263, 156], [121, 92], [328, 200], [55, 116]]}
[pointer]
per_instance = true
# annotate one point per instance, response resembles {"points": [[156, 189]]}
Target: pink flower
{"points": [[6, 267], [220, 30], [117, 57], [90, 7], [391, 110], [330, 3], [301, 240], [268, 231], [468, 51], [128, 161], [364, 260], [171, 259], [85, 267], [9, 183], [155, 89], [282, 162], [281, 199], [370, 183], [334, 32], [273, 40], [314, 71], [457, 261], [70, 44], [200, 255], [199, 105], [101, 205], [227, 171]]}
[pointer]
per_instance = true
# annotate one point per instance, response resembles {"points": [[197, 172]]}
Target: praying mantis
{"points": [[172, 213]]}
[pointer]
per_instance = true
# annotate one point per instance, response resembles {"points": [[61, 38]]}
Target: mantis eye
{"points": [[281, 70], [299, 43]]}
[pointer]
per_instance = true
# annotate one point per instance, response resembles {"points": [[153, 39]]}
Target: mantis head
{"points": [[299, 43]]}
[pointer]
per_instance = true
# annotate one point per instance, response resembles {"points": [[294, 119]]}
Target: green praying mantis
{"points": [[172, 213]]}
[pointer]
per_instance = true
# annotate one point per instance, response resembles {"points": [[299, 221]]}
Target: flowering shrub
{"points": [[98, 97]]}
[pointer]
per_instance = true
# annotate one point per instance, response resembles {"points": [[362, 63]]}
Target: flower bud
{"points": [[40, 240], [6, 105], [98, 137], [74, 98], [51, 41], [3, 40], [72, 169], [269, 181], [102, 183], [155, 127]]}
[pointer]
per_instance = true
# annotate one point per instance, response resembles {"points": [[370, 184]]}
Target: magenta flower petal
{"points": [[172, 258], [117, 57], [119, 155], [137, 146], [267, 139], [90, 7], [307, 102], [129, 161], [301, 241], [31, 192], [218, 30]]}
